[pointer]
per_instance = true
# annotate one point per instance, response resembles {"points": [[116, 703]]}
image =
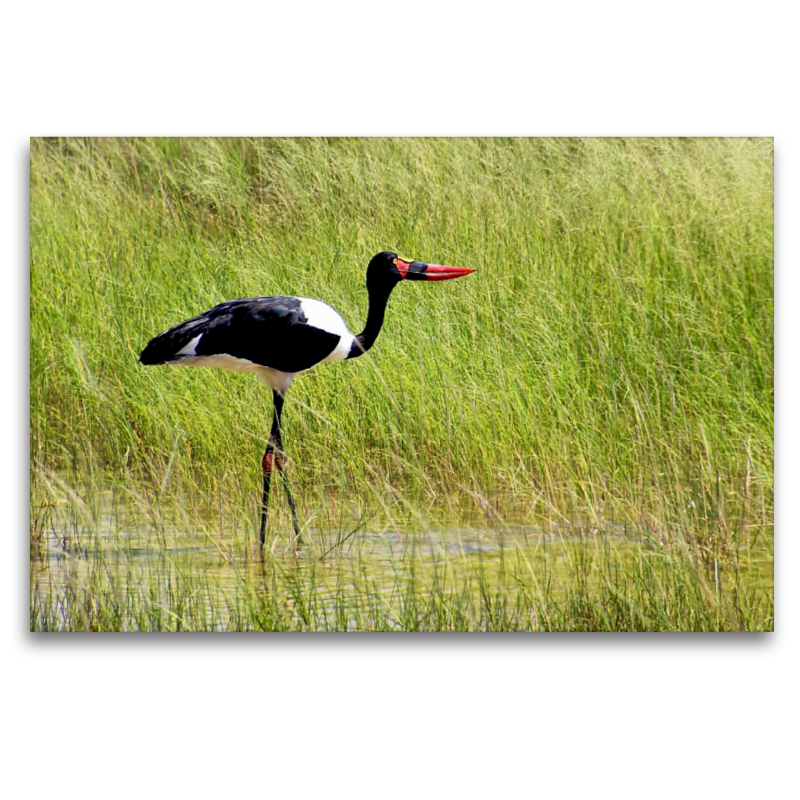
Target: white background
{"points": [[396, 716]]}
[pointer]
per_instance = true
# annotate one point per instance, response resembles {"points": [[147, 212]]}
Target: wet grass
{"points": [[570, 585], [611, 358], [98, 565]]}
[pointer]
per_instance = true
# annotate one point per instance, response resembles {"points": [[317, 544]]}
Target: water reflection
{"points": [[124, 574]]}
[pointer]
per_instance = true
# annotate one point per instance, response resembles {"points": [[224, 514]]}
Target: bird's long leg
{"points": [[267, 464], [275, 458]]}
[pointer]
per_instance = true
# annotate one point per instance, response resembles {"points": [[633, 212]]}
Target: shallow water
{"points": [[116, 571]]}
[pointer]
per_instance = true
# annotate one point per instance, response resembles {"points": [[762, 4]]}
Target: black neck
{"points": [[378, 299]]}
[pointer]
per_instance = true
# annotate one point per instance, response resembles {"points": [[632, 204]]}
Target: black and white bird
{"points": [[280, 337]]}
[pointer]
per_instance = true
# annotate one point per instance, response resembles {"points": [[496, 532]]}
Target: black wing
{"points": [[270, 331]]}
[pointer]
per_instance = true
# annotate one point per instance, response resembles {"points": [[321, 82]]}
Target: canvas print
{"points": [[401, 384]]}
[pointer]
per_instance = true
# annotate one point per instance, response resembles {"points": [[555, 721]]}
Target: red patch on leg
{"points": [[273, 461]]}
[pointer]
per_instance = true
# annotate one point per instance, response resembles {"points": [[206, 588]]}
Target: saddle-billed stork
{"points": [[280, 337]]}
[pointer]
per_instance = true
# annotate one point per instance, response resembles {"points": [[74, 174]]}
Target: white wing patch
{"points": [[190, 349], [321, 315]]}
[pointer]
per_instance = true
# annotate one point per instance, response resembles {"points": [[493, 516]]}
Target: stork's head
{"points": [[387, 269]]}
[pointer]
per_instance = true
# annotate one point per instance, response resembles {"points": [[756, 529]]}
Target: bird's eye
{"points": [[394, 261]]}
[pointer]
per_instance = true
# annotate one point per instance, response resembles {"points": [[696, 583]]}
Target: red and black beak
{"points": [[417, 271]]}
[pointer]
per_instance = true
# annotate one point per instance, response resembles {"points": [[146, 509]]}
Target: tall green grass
{"points": [[612, 356], [616, 339]]}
